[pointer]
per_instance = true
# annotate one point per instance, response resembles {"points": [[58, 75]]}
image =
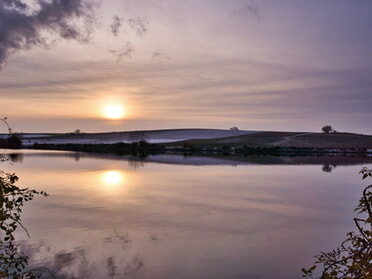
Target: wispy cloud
{"points": [[159, 55], [127, 51], [116, 25], [139, 25], [251, 9]]}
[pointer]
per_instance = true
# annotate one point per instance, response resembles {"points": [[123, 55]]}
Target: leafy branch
{"points": [[12, 198], [353, 259], [13, 263]]}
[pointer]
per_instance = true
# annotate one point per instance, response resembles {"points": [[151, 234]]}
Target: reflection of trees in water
{"points": [[16, 157], [61, 263], [77, 156], [73, 155], [136, 162], [328, 168]]}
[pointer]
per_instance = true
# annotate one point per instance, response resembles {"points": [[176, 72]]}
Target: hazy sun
{"points": [[114, 111]]}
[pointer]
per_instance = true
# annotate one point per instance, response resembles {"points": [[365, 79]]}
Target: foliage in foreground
{"points": [[353, 259], [13, 263]]}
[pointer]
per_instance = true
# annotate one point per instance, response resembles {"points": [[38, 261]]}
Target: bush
{"points": [[353, 259], [13, 262], [12, 142]]}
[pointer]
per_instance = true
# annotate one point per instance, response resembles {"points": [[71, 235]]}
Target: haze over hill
{"points": [[207, 137]]}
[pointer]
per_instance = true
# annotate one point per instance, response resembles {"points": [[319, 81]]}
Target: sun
{"points": [[114, 111]]}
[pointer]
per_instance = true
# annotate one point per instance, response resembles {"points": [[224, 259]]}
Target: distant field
{"points": [[151, 136], [291, 139], [211, 137]]}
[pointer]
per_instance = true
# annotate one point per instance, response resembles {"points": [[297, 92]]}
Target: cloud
{"points": [[116, 25], [138, 25], [252, 9], [159, 55], [126, 51], [24, 26]]}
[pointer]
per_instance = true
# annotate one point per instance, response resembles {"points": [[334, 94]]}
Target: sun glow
{"points": [[114, 111]]}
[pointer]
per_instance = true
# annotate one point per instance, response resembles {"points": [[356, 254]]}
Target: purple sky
{"points": [[259, 65]]}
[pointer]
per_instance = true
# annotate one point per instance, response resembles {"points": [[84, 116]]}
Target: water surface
{"points": [[113, 217]]}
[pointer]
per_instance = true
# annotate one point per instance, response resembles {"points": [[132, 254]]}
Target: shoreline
{"points": [[143, 147]]}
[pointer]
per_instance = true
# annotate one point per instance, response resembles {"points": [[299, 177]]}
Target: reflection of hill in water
{"points": [[260, 160], [137, 162]]}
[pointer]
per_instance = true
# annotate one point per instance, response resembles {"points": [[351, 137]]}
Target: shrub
{"points": [[353, 259]]}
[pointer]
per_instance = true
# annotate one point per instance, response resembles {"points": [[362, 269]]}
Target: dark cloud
{"points": [[24, 26], [116, 25]]}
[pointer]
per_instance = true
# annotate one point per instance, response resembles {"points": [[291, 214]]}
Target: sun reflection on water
{"points": [[113, 178]]}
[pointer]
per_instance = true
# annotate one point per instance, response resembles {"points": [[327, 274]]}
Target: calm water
{"points": [[195, 218]]}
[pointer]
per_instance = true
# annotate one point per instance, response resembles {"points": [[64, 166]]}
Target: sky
{"points": [[288, 65]]}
